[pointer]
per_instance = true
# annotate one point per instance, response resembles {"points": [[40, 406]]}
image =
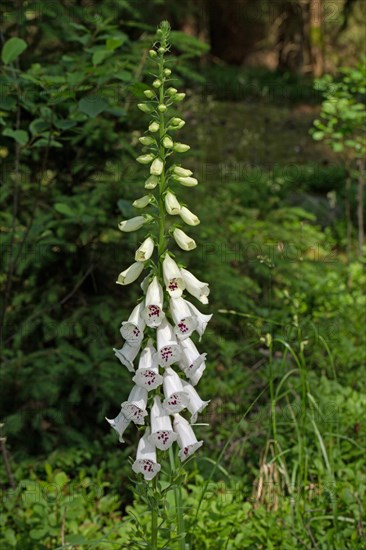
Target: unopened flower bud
{"points": [[161, 50], [152, 54], [144, 108], [177, 123], [183, 240], [157, 83], [151, 182], [146, 140], [156, 167], [145, 159], [162, 108], [171, 204], [188, 182], [182, 172], [142, 202], [171, 91], [188, 216], [180, 147], [168, 142], [167, 72], [154, 127], [178, 97], [149, 94]]}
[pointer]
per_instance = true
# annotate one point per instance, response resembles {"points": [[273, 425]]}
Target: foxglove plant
{"points": [[164, 321]]}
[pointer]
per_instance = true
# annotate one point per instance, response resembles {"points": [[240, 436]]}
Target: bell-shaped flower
{"points": [[119, 424], [162, 434], [172, 277], [132, 224], [183, 240], [127, 354], [197, 374], [153, 312], [130, 274], [202, 319], [171, 204], [156, 167], [195, 404], [187, 441], [133, 329], [145, 250], [145, 462], [197, 288], [135, 407], [147, 375], [176, 399], [188, 216], [192, 359], [169, 351], [185, 321]]}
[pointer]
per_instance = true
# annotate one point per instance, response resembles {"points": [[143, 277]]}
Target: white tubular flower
{"points": [[202, 319], [162, 434], [145, 250], [187, 441], [133, 224], [192, 359], [195, 403], [169, 351], [154, 127], [185, 321], [187, 181], [172, 277], [197, 288], [119, 424], [183, 241], [145, 462], [135, 407], [197, 375], [176, 399], [147, 375], [182, 172], [180, 147], [156, 167], [151, 182], [153, 313], [127, 354], [130, 274], [145, 159], [188, 217], [133, 329], [171, 204]]}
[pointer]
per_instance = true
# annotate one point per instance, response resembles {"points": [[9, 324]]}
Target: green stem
{"points": [[178, 504], [154, 523]]}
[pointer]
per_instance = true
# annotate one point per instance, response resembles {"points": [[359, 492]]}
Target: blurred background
{"points": [[275, 116]]}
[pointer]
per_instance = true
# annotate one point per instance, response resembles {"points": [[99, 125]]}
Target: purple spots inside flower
{"points": [[154, 311], [136, 332], [174, 400], [150, 377], [166, 353], [183, 327], [173, 285], [163, 437], [148, 465], [186, 451]]}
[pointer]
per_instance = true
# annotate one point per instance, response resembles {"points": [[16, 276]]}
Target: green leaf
{"points": [[20, 136], [64, 209], [12, 49], [38, 534], [116, 42], [100, 56], [38, 125], [92, 105]]}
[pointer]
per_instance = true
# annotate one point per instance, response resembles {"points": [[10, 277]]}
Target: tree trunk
{"points": [[348, 215], [316, 38]]}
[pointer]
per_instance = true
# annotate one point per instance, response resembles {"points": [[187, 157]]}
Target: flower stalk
{"points": [[163, 402]]}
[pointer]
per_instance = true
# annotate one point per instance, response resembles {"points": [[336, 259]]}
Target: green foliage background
{"points": [[286, 346]]}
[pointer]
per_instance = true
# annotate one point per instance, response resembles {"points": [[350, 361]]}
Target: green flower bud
{"points": [[177, 123], [167, 72], [181, 147], [142, 202], [187, 182], [151, 182], [154, 127], [145, 159], [182, 172], [144, 108], [162, 108], [146, 140], [171, 91], [178, 97], [161, 50], [157, 83], [168, 142], [156, 167], [149, 94], [152, 54]]}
